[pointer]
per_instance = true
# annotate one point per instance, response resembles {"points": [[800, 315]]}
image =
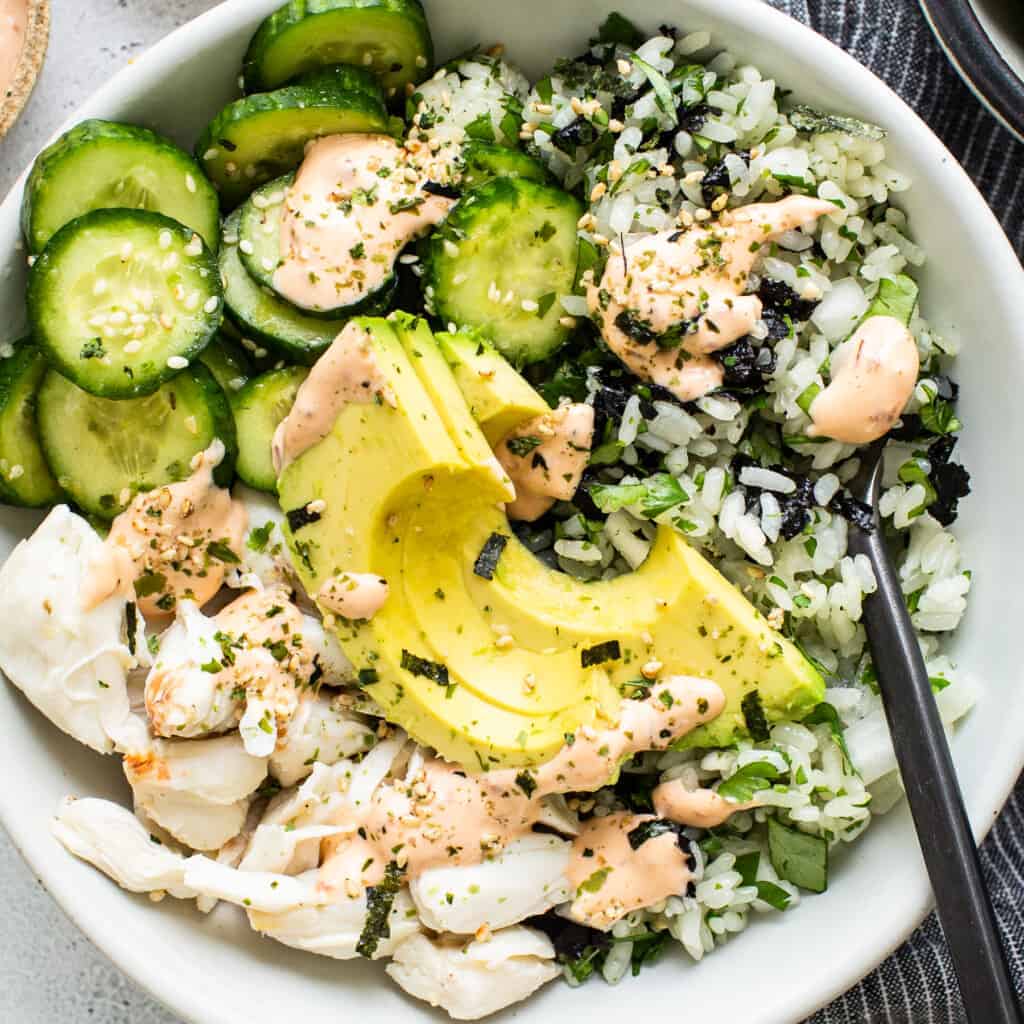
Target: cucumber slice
{"points": [[100, 165], [121, 300], [259, 407], [500, 261], [25, 478], [103, 452], [260, 316], [259, 138], [228, 362], [259, 247], [485, 161], [388, 37]]}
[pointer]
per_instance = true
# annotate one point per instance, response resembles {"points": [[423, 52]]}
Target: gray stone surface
{"points": [[49, 971]]}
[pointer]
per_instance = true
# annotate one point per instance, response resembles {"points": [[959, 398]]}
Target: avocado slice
{"points": [[493, 660], [498, 396]]}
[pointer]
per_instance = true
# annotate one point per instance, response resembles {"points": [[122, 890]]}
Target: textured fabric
{"points": [[917, 985]]}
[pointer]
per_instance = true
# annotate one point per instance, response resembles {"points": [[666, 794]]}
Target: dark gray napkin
{"points": [[916, 985]]}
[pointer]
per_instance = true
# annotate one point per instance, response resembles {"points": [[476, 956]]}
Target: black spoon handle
{"points": [[936, 803]]}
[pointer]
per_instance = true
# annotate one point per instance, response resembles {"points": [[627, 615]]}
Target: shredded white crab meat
{"points": [[70, 663], [470, 981]]}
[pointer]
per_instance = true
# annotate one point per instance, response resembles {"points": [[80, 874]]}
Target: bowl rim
{"points": [[755, 19], [30, 63], [974, 54]]}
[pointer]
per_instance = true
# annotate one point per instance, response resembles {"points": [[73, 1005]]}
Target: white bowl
{"points": [[216, 971]]}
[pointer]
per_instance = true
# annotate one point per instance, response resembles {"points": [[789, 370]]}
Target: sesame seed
{"points": [[16, 471], [190, 423], [567, 321], [166, 322], [267, 263], [651, 669], [720, 203], [504, 641], [231, 168], [317, 507], [597, 191], [132, 347], [190, 183], [246, 246], [211, 154], [211, 304], [119, 317], [421, 61], [615, 126], [177, 363], [408, 258], [624, 66], [459, 279], [165, 239], [529, 306], [367, 58], [450, 248], [194, 247]]}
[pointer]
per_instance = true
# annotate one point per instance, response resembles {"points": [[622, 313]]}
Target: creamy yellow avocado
{"points": [[496, 671]]}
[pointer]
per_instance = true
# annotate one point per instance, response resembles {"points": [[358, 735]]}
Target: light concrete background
{"points": [[49, 971]]}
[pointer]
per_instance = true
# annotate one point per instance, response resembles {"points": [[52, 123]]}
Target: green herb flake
{"points": [[798, 857]]}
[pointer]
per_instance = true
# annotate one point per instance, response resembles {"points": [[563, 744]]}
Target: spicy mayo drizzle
{"points": [[353, 595], [356, 202], [347, 372], [176, 536], [545, 458], [874, 373], [692, 281], [445, 817]]}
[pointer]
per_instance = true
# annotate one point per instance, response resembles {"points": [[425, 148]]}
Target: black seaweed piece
{"points": [[650, 830], [490, 554], [300, 517], [634, 789], [795, 507], [951, 482], [418, 666], [781, 307], [909, 429], [754, 716], [946, 388], [744, 370], [574, 943], [717, 180], [131, 622], [610, 650], [854, 511], [379, 901], [317, 674], [526, 782], [941, 451], [688, 119], [575, 134], [435, 188]]}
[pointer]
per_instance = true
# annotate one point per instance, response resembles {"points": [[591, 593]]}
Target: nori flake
{"points": [[650, 830], [379, 901], [600, 653], [782, 307], [853, 511], [490, 554], [745, 368], [526, 782], [753, 715], [418, 666], [434, 188], [950, 480], [131, 621], [300, 517]]}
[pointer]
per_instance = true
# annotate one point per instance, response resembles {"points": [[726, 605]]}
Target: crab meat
{"points": [[470, 981], [199, 790], [334, 929], [527, 878], [264, 552], [320, 730], [70, 663]]}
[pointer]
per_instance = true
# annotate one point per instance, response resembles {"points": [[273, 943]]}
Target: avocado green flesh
{"points": [[412, 494]]}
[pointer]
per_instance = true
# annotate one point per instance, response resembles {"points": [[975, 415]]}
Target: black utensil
{"points": [[929, 777]]}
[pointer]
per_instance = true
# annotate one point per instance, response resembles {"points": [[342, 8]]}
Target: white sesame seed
{"points": [[624, 66], [165, 239], [231, 168], [421, 61], [190, 423], [267, 263], [194, 247], [16, 471], [131, 347], [166, 322], [211, 154], [31, 261], [367, 58], [119, 317], [450, 248], [567, 321], [177, 363], [408, 258], [211, 304], [190, 183], [529, 306], [459, 279], [246, 246]]}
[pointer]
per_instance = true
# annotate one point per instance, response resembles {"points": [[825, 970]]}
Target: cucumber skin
{"points": [[227, 360], [96, 130], [248, 469], [36, 299], [485, 161], [289, 17], [222, 420], [341, 86], [12, 371]]}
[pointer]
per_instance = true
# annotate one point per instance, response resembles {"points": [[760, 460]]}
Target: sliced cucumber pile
{"points": [[485, 161], [229, 363], [388, 37], [259, 407], [105, 451], [501, 260], [261, 137], [121, 300], [25, 478], [101, 165], [259, 315]]}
